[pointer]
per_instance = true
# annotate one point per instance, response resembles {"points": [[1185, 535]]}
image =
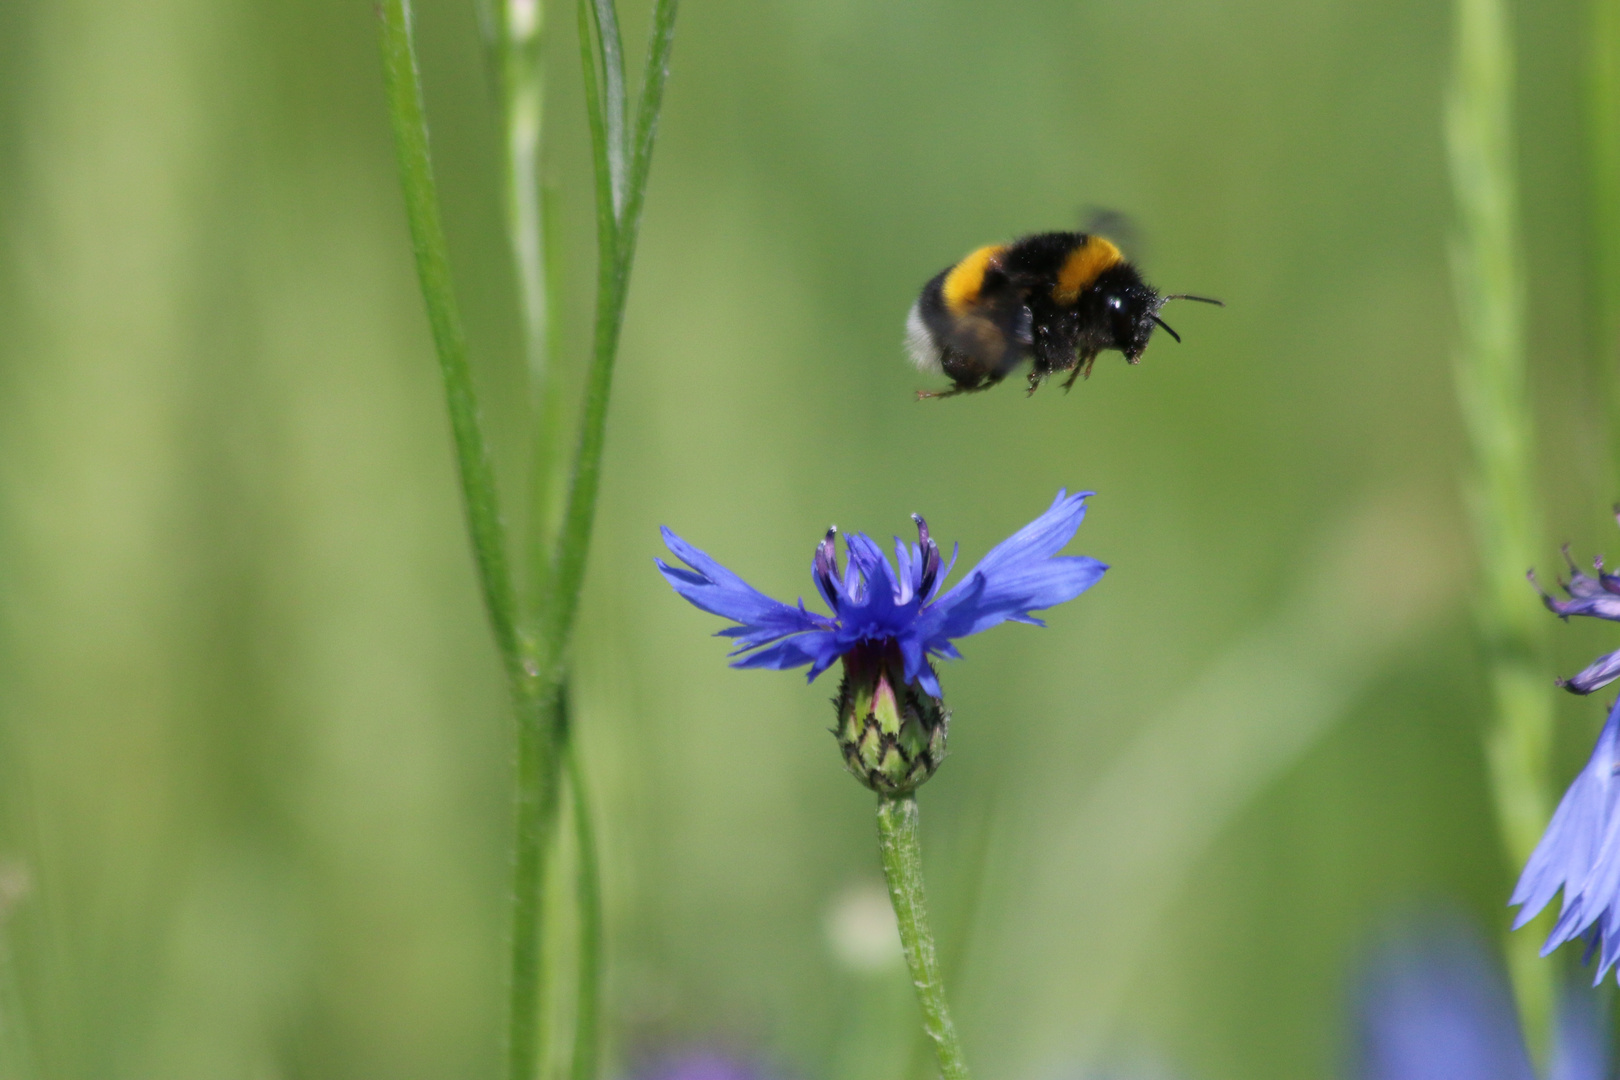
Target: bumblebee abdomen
{"points": [[967, 324]]}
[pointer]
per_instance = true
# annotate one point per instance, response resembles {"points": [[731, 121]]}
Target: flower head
{"points": [[887, 622], [873, 602]]}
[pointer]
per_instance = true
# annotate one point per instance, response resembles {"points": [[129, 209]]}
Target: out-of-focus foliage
{"points": [[253, 744]]}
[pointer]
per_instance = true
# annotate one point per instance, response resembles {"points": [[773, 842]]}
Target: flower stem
{"points": [[534, 649], [477, 473], [535, 819], [1487, 272], [535, 697], [902, 867], [621, 186], [588, 899]]}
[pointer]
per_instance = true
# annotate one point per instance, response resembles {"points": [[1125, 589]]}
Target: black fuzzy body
{"points": [[1018, 312]]}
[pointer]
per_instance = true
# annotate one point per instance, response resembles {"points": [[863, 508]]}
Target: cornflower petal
{"points": [[714, 589], [1598, 597], [1595, 676], [818, 648], [1018, 576], [1580, 854]]}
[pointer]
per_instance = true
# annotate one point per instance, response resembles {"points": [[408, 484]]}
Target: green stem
{"points": [[970, 869], [522, 109], [516, 59], [535, 817], [535, 665], [616, 232], [1492, 386], [588, 899], [535, 699], [546, 440], [477, 474], [902, 867]]}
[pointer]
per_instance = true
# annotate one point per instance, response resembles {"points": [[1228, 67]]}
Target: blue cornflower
{"points": [[1580, 851], [887, 622]]}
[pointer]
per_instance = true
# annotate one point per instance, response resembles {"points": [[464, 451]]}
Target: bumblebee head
{"points": [[1128, 308], [1132, 309]]}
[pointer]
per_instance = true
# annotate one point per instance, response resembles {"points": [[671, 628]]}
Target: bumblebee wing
{"points": [[1117, 226]]}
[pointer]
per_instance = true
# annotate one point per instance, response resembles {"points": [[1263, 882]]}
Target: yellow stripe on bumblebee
{"points": [[1083, 267], [966, 279]]}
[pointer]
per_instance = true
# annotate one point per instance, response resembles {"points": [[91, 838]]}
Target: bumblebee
{"points": [[1057, 298]]}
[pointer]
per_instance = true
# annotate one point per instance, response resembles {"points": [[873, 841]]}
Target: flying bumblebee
{"points": [[1057, 298]]}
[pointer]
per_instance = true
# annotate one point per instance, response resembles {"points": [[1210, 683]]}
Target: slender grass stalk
{"points": [[1488, 277], [588, 900], [515, 30], [534, 699], [535, 819], [902, 868], [618, 226], [535, 661], [477, 473], [546, 458], [621, 193], [1603, 160], [518, 36]]}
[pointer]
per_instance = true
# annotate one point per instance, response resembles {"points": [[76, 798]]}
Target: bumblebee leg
{"points": [[959, 388], [1081, 368]]}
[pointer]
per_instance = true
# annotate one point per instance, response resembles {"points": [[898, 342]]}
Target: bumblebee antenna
{"points": [[1190, 296], [1167, 329]]}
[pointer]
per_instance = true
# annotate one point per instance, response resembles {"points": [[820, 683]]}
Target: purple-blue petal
{"points": [[1019, 575], [789, 653], [981, 600], [712, 588], [1580, 854], [1596, 675], [912, 653]]}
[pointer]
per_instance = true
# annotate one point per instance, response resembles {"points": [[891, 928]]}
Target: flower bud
{"points": [[892, 733]]}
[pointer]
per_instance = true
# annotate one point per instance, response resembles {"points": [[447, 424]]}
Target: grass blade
{"points": [[1492, 386]]}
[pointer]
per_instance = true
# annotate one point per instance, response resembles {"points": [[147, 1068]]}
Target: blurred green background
{"points": [[254, 759]]}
